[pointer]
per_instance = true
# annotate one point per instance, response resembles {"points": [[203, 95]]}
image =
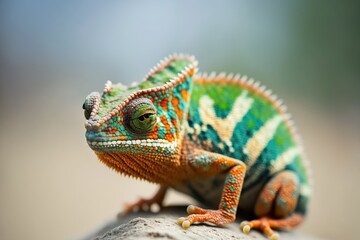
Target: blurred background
{"points": [[52, 54]]}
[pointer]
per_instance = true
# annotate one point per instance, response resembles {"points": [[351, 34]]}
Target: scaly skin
{"points": [[212, 137]]}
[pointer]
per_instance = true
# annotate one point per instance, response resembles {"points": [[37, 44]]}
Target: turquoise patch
{"points": [[231, 210], [230, 179], [203, 161]]}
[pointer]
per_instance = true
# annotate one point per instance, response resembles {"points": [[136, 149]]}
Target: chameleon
{"points": [[223, 139]]}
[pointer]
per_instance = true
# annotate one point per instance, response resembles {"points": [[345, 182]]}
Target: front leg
{"points": [[207, 164]]}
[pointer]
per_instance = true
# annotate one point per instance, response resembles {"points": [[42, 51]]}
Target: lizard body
{"points": [[222, 139]]}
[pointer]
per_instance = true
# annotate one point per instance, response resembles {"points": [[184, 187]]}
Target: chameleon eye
{"points": [[140, 116], [89, 103]]}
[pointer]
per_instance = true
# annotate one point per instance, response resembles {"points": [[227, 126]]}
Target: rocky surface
{"points": [[163, 225]]}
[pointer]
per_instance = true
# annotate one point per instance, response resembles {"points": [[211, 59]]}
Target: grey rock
{"points": [[163, 225]]}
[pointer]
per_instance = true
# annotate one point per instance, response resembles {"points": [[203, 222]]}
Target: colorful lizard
{"points": [[212, 137]]}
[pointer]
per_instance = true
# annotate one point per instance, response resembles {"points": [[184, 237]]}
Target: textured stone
{"points": [[163, 225]]}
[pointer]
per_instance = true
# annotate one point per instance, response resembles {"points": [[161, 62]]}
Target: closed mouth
{"points": [[144, 144]]}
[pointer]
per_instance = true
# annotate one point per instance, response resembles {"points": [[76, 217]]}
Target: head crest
{"points": [[167, 74]]}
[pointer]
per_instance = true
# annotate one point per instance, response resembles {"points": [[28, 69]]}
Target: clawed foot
{"points": [[153, 204], [263, 225], [143, 205], [218, 217]]}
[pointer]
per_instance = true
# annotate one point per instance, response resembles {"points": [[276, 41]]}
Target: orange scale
{"points": [[179, 113], [191, 71], [169, 137], [164, 104], [164, 121], [153, 136], [185, 95], [175, 124], [112, 131], [175, 102]]}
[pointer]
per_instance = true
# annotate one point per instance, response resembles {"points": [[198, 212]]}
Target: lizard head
{"points": [[143, 120]]}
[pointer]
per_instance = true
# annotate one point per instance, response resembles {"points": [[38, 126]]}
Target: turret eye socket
{"points": [[140, 116]]}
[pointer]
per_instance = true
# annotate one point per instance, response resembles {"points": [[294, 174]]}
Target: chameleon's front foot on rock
{"points": [[197, 214], [262, 225], [266, 225]]}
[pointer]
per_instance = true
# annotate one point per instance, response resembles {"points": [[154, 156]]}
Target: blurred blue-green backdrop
{"points": [[53, 53]]}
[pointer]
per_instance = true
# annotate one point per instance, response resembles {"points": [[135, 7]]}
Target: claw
{"points": [[181, 220], [190, 209], [185, 224], [275, 236], [243, 223], [246, 229]]}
